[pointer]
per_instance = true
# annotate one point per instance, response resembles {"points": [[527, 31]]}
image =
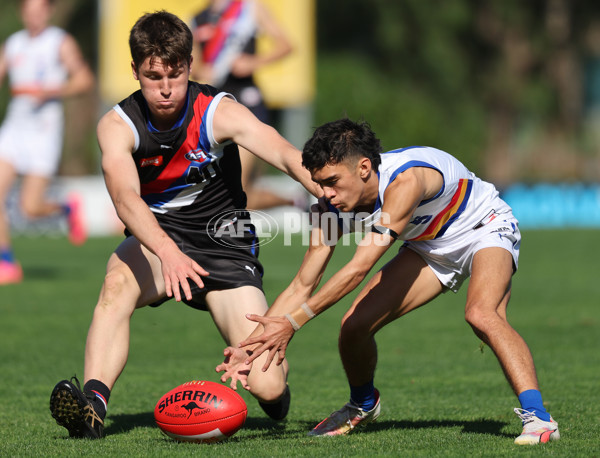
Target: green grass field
{"points": [[441, 394]]}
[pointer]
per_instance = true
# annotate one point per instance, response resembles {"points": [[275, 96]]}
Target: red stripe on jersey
{"points": [[443, 216], [178, 165]]}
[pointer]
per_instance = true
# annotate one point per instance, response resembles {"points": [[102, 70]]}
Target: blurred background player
{"points": [[44, 64], [225, 36]]}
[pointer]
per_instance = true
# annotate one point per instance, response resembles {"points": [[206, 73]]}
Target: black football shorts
{"points": [[229, 254]]}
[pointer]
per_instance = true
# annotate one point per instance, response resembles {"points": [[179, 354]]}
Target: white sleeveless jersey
{"points": [[34, 62], [31, 134], [463, 202]]}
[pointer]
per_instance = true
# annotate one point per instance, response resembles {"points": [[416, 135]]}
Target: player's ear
{"points": [[364, 167], [134, 71]]}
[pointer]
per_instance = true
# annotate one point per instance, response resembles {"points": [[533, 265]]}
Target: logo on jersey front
{"points": [[196, 156], [155, 161], [203, 167]]}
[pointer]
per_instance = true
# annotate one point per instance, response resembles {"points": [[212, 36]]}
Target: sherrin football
{"points": [[200, 411]]}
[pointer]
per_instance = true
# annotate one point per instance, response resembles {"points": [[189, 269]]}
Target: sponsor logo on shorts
{"points": [[155, 161], [486, 219], [502, 229]]}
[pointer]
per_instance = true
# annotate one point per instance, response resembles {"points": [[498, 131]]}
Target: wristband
{"points": [[385, 230], [300, 316], [308, 311], [295, 325]]}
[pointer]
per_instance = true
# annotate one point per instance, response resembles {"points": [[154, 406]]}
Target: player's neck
{"points": [[37, 31], [163, 123], [369, 194]]}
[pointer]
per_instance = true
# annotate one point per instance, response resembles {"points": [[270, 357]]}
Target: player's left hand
{"points": [[276, 336], [235, 367]]}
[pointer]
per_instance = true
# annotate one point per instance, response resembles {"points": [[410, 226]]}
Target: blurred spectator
{"points": [[225, 57], [44, 64]]}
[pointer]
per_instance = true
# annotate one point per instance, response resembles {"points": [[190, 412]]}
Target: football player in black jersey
{"points": [[172, 169]]}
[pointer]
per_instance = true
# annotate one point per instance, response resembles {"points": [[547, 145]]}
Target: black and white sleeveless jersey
{"points": [[186, 176]]}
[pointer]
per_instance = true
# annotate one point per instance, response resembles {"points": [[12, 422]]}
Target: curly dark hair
{"points": [[161, 35], [335, 141]]}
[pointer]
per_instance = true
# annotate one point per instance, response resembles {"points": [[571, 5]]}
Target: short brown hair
{"points": [[160, 35]]}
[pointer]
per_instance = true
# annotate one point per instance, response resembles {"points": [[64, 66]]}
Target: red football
{"points": [[200, 411]]}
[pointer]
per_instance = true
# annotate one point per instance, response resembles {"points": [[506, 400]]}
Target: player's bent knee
{"points": [[353, 327], [267, 387], [474, 316], [481, 318], [116, 285], [269, 395]]}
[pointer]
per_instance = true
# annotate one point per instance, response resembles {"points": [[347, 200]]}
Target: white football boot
{"points": [[536, 431]]}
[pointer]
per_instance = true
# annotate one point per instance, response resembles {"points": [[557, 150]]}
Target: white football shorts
{"points": [[451, 260], [31, 137]]}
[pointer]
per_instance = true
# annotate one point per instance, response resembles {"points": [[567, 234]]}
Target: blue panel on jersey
{"points": [[411, 164]]}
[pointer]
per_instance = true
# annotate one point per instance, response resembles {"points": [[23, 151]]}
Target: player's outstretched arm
{"points": [[122, 181], [233, 121], [278, 330], [274, 331]]}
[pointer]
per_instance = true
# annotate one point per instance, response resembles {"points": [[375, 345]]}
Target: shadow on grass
{"points": [[266, 429], [260, 427], [122, 423], [43, 272], [481, 426]]}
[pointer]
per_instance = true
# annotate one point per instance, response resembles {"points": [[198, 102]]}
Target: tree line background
{"points": [[510, 87]]}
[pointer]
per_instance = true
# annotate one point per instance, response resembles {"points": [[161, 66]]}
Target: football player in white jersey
{"points": [[44, 64], [453, 225]]}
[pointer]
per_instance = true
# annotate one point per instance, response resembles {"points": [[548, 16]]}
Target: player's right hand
{"points": [[176, 269], [275, 338]]}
